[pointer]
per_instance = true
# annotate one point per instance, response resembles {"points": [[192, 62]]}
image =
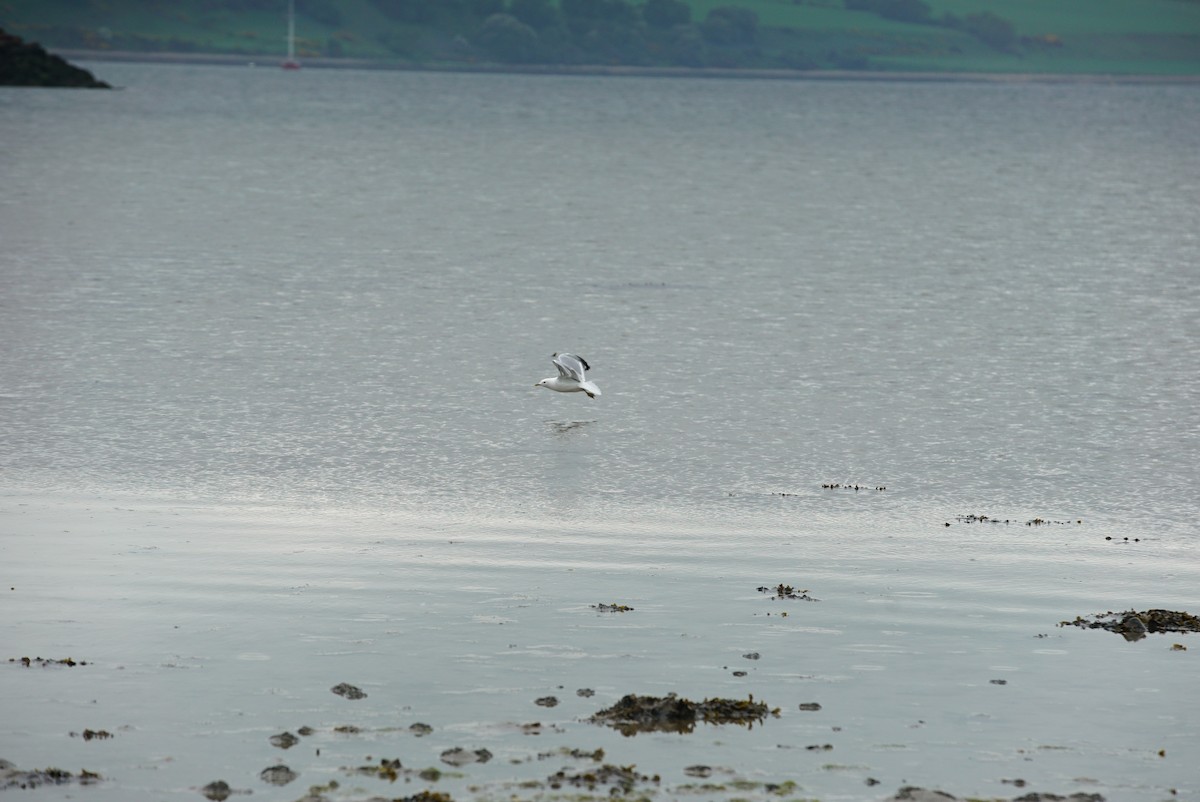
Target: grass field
{"points": [[1059, 36]]}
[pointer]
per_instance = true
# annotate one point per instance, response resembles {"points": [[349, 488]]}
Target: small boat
{"points": [[290, 63]]}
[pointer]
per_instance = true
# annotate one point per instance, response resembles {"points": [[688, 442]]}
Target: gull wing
{"points": [[571, 366]]}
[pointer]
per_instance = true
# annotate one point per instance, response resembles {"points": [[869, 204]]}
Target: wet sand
{"points": [[281, 651]]}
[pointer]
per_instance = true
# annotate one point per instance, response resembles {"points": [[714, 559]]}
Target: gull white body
{"points": [[572, 376]]}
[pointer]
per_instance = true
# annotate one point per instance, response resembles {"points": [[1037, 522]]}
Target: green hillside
{"points": [[1018, 36]]}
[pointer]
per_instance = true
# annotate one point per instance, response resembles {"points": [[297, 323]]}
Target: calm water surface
{"points": [[268, 344]]}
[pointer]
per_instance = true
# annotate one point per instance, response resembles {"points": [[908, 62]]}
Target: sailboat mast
{"points": [[291, 39], [290, 62]]}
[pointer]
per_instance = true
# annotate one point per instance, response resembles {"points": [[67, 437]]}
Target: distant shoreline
{"points": [[238, 60]]}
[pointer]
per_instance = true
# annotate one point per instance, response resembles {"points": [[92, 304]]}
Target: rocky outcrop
{"points": [[28, 64]]}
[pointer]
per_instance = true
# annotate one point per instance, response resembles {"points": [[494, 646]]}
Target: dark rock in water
{"points": [[419, 729], [546, 701], [585, 692], [1133, 625], [670, 713], [698, 771], [218, 791], [349, 691], [28, 64], [278, 775], [461, 757], [810, 706], [921, 795], [284, 740]]}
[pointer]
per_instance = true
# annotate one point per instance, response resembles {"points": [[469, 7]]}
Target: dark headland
{"points": [[28, 64]]}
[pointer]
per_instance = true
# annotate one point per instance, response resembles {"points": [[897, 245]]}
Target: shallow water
{"points": [[268, 424]]}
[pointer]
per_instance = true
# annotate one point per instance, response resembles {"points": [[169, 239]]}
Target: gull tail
{"points": [[589, 388]]}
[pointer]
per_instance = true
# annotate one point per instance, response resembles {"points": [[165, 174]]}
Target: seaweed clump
{"points": [[427, 796], [42, 662], [620, 779], [612, 608], [672, 713], [782, 591], [1133, 625], [93, 735], [391, 770], [349, 691], [12, 777]]}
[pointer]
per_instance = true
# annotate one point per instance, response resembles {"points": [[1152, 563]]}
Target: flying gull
{"points": [[571, 376]]}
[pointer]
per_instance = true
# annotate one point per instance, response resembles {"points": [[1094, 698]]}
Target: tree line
{"points": [[992, 30], [655, 32]]}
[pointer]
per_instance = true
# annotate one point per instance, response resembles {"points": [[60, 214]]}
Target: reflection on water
{"points": [[267, 426], [564, 428]]}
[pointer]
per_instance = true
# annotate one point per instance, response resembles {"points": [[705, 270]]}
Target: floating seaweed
{"points": [[391, 769], [427, 796], [388, 769], [90, 735], [914, 794], [621, 779], [12, 777], [1133, 625], [42, 662], [988, 519], [595, 755], [546, 701], [855, 487], [672, 713], [980, 519], [612, 608], [782, 591]]}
